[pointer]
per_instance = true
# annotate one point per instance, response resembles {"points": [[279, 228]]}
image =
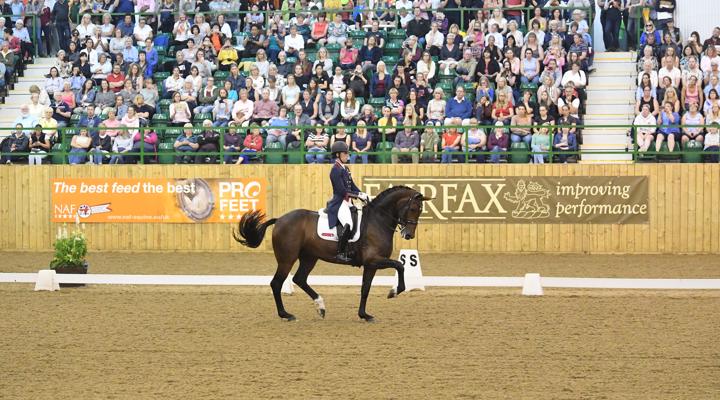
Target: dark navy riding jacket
{"points": [[343, 187]]}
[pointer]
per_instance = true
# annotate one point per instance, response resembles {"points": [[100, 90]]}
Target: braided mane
{"points": [[385, 193]]}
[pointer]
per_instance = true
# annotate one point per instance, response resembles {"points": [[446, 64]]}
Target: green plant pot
{"points": [[72, 269]]}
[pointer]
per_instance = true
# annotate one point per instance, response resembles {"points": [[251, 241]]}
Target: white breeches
{"points": [[344, 215]]}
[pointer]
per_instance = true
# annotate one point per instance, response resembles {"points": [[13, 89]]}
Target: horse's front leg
{"points": [[368, 275], [394, 292]]}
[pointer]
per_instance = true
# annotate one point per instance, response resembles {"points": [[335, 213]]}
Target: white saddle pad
{"points": [[331, 234]]}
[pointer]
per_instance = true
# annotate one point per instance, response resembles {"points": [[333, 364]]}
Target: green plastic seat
{"points": [[692, 153], [274, 153], [56, 154], [166, 153], [665, 154], [519, 153], [220, 76], [390, 60], [377, 101], [384, 149], [200, 117], [294, 155]]}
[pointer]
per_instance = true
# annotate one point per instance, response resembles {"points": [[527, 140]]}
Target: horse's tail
{"points": [[251, 229]]}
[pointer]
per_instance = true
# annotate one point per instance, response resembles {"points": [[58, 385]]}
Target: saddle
{"points": [[330, 234]]}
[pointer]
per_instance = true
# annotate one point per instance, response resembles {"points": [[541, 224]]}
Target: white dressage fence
{"points": [[532, 284]]}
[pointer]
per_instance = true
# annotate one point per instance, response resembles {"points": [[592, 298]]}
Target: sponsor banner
{"points": [[103, 200], [527, 200]]}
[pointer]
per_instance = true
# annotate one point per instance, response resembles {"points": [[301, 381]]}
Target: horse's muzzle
{"points": [[407, 236]]}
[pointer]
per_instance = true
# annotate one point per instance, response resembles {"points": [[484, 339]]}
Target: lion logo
{"points": [[529, 200]]}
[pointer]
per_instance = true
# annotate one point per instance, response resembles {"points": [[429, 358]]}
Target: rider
{"points": [[338, 208]]}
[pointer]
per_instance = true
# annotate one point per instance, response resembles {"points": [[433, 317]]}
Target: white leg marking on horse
{"points": [[319, 303]]}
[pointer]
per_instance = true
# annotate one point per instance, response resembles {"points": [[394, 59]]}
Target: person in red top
{"points": [[253, 143], [319, 31], [502, 109], [13, 42], [514, 14], [451, 142], [116, 79]]}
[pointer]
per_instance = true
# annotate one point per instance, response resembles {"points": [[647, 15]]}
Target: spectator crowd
{"points": [[421, 80]]}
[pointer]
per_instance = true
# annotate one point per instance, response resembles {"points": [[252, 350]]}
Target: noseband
{"points": [[403, 220]]}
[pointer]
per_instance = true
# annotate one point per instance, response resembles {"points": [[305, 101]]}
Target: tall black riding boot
{"points": [[343, 237]]}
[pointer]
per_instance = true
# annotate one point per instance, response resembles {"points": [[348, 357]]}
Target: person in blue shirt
{"points": [[186, 142], [130, 53], [151, 56], [90, 120], [564, 142], [458, 107], [338, 208], [126, 26], [668, 116]]}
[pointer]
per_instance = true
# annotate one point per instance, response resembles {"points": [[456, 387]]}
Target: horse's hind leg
{"points": [[368, 275], [306, 266], [276, 284]]}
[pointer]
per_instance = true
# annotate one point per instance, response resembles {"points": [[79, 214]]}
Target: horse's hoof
{"points": [[392, 294], [368, 318], [288, 318], [321, 311]]}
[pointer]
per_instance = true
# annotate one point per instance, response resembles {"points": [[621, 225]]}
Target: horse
{"points": [[295, 237]]}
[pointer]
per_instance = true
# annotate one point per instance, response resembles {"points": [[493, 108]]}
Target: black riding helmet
{"points": [[339, 147]]}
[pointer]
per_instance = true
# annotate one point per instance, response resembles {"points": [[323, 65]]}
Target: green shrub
{"points": [[70, 248]]}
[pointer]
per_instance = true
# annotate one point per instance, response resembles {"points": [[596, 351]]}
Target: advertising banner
{"points": [[107, 200], [527, 200]]}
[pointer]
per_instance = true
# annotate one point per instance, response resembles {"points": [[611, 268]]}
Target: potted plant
{"points": [[70, 252]]}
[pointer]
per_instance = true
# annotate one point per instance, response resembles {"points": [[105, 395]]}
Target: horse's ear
{"points": [[425, 198]]}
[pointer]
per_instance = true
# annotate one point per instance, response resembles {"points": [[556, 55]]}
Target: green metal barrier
{"points": [[295, 152]]}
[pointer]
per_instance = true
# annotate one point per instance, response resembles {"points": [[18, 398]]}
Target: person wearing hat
{"points": [[344, 188]]}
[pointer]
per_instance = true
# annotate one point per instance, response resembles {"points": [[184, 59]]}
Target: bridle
{"points": [[402, 221]]}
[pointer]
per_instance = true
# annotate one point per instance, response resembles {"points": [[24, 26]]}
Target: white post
{"points": [[413, 271], [532, 285], [46, 280]]}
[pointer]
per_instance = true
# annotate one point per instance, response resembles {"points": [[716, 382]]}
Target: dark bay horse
{"points": [[295, 237]]}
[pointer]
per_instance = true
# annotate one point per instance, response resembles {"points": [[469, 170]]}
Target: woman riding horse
{"points": [[338, 208]]}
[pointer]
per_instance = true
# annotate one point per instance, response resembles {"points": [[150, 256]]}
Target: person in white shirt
{"points": [[710, 57], [294, 42], [670, 71], [648, 69], [645, 125], [141, 32], [499, 40], [692, 70], [712, 142], [576, 76], [242, 111], [174, 82], [101, 70], [434, 39], [85, 27]]}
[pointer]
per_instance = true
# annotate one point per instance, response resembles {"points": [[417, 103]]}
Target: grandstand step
{"points": [[608, 56], [611, 80], [604, 94], [622, 108], [602, 158], [605, 132], [612, 67], [607, 117], [622, 162], [604, 141], [24, 85], [617, 85]]}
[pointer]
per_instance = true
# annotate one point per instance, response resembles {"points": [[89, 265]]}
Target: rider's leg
{"points": [[343, 230]]}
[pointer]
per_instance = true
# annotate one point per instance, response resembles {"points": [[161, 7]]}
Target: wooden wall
{"points": [[684, 209]]}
